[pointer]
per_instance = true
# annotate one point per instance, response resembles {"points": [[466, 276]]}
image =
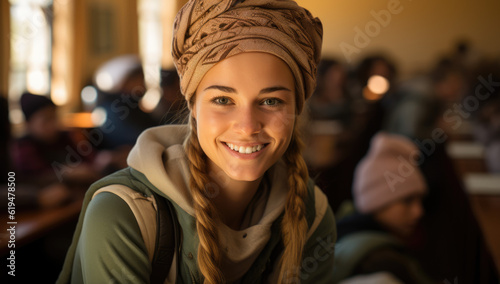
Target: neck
{"points": [[233, 197]]}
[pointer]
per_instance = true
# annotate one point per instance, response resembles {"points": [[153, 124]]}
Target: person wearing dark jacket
{"points": [[388, 191]]}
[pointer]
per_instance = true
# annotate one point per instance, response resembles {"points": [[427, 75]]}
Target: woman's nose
{"points": [[247, 121]]}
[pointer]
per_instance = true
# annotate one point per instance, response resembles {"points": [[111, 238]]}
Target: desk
{"points": [[468, 157], [34, 224]]}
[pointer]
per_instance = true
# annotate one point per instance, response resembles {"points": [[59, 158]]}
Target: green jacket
{"points": [[356, 247], [108, 246]]}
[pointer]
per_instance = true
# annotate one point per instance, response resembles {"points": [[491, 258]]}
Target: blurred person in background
{"points": [[172, 105], [418, 105], [419, 109], [388, 191], [369, 67], [331, 100], [47, 157], [367, 119], [52, 168], [121, 86]]}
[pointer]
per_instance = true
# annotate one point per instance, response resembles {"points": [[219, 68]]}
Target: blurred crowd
{"points": [[55, 163], [376, 147], [403, 215]]}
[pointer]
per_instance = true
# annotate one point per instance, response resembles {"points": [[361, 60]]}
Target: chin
{"points": [[244, 175]]}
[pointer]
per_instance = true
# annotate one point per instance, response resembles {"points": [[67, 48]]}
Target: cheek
{"points": [[394, 215], [209, 126], [281, 124], [402, 215]]}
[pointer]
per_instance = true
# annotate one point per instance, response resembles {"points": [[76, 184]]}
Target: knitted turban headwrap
{"points": [[208, 31]]}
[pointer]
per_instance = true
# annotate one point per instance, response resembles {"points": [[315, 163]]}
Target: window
{"points": [[30, 52]]}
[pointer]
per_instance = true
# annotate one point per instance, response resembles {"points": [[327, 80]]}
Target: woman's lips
{"points": [[245, 149], [249, 151]]}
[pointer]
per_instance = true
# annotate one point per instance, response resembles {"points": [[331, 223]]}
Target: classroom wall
{"points": [[122, 30], [415, 35], [87, 34]]}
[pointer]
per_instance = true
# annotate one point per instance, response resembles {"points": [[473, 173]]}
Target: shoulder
{"points": [[108, 212], [110, 246], [394, 261], [109, 226], [354, 248], [321, 218], [364, 242], [318, 257]]}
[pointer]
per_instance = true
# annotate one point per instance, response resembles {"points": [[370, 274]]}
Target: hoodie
{"points": [[108, 245]]}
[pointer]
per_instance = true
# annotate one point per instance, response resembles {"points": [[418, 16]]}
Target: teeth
{"points": [[245, 150]]}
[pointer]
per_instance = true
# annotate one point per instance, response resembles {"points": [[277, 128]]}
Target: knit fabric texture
{"points": [[389, 172], [208, 31]]}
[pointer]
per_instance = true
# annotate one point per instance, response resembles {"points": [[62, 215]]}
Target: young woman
{"points": [[246, 208]]}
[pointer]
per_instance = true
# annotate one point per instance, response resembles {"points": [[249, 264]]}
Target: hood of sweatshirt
{"points": [[159, 155]]}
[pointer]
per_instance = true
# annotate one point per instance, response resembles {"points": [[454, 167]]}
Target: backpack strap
{"points": [[166, 242], [144, 209], [157, 220]]}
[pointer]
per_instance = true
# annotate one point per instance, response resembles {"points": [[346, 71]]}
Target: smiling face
{"points": [[245, 112]]}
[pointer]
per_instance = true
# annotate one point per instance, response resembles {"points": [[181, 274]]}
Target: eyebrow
{"points": [[227, 89]]}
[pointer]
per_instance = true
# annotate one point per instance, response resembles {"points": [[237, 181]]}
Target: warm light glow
{"points": [[99, 116], [63, 52], [16, 116], [79, 120], [378, 84], [150, 100], [30, 47], [104, 81], [371, 96], [59, 94], [89, 94], [38, 81]]}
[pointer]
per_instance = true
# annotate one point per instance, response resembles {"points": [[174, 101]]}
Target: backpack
{"points": [[159, 240]]}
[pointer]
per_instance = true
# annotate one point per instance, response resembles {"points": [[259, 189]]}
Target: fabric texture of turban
{"points": [[208, 31], [387, 173]]}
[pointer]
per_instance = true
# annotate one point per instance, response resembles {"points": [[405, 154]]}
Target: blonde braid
{"points": [[294, 225], [209, 253]]}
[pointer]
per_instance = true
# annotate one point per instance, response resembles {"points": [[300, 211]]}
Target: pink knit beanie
{"points": [[389, 172]]}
